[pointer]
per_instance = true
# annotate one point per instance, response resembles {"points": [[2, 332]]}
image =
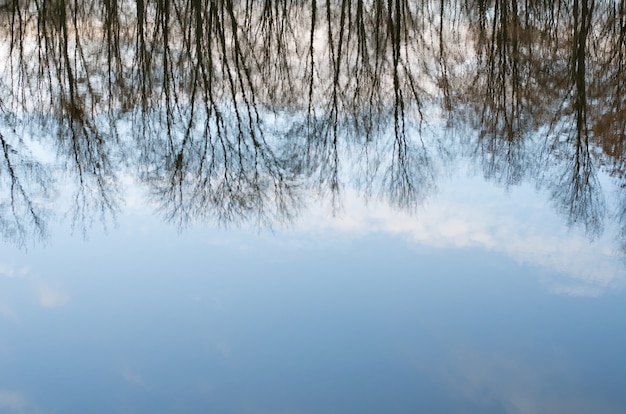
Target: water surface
{"points": [[305, 207]]}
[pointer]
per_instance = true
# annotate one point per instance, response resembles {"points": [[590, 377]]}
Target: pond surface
{"points": [[304, 207]]}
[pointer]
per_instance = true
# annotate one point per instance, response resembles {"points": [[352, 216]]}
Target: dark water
{"points": [[312, 207]]}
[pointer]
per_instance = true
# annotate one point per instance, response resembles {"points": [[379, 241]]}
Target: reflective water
{"points": [[305, 207]]}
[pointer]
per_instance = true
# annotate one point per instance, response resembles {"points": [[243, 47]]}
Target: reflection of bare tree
{"points": [[213, 159], [25, 181], [503, 94], [53, 76], [225, 108], [531, 77], [197, 83], [372, 85], [607, 115], [576, 190], [217, 178]]}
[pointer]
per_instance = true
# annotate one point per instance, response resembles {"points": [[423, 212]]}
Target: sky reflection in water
{"points": [[344, 207], [369, 311]]}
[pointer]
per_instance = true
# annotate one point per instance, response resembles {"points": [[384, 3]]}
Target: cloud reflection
{"points": [[12, 401], [132, 377], [512, 224], [518, 386], [7, 311], [12, 271], [51, 298]]}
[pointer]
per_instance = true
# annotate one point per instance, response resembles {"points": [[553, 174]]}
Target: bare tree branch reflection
{"points": [[576, 190], [371, 87], [214, 161], [503, 95], [25, 181], [531, 77], [228, 110]]}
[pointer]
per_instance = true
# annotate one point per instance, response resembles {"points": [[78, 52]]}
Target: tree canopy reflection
{"points": [[230, 111]]}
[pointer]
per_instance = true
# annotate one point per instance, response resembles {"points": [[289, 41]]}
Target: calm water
{"points": [[306, 207]]}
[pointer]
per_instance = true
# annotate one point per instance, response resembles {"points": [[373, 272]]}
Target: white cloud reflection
{"points": [[519, 386], [51, 298], [132, 377], [12, 401], [11, 271], [7, 311], [472, 214]]}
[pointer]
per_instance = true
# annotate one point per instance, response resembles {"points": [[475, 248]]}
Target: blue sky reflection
{"points": [[464, 307]]}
